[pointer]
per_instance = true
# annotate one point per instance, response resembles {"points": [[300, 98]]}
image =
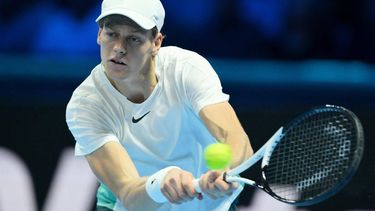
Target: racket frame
{"points": [[267, 149]]}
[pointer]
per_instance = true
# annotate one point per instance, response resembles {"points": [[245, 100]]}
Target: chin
{"points": [[116, 75]]}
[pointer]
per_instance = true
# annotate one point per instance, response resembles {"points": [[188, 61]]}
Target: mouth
{"points": [[117, 61]]}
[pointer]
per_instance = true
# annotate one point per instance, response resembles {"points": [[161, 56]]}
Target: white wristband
{"points": [[153, 184]]}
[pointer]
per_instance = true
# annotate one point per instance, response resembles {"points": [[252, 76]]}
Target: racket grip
{"points": [[196, 186]]}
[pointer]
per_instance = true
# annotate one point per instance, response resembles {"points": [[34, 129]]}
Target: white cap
{"points": [[146, 13]]}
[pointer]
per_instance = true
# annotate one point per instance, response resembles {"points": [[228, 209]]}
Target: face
{"points": [[126, 52]]}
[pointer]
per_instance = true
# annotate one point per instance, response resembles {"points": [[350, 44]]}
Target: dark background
{"points": [[276, 58], [247, 29]]}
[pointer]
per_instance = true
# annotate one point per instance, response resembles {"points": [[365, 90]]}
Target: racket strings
{"points": [[314, 155]]}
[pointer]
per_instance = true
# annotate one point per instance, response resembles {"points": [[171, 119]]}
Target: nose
{"points": [[120, 48]]}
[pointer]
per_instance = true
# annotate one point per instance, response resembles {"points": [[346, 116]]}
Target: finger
{"points": [[181, 192], [172, 189], [170, 194], [223, 186], [183, 180], [207, 183], [188, 187], [234, 185], [203, 182], [213, 175], [212, 191], [207, 180]]}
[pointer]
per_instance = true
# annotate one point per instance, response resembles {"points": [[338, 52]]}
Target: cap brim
{"points": [[142, 21]]}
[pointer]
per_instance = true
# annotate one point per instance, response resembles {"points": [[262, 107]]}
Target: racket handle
{"points": [[196, 186]]}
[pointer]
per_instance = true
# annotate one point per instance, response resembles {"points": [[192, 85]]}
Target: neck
{"points": [[138, 88]]}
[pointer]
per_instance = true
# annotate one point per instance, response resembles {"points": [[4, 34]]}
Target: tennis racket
{"points": [[308, 160]]}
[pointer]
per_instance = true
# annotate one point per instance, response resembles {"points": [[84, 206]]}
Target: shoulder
{"points": [[176, 54], [87, 93], [179, 59]]}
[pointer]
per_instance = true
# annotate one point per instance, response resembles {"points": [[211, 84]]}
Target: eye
{"points": [[111, 34], [134, 39]]}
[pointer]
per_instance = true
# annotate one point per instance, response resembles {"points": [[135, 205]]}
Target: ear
{"points": [[157, 44], [99, 34]]}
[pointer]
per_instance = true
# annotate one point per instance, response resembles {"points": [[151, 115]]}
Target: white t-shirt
{"points": [[162, 131]]}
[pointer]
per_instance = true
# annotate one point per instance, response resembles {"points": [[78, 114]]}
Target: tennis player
{"points": [[144, 115]]}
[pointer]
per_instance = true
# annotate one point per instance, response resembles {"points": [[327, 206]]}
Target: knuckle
{"points": [[165, 186], [185, 185], [189, 174], [170, 181]]}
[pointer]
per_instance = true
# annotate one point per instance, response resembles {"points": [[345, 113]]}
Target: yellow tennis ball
{"points": [[218, 156]]}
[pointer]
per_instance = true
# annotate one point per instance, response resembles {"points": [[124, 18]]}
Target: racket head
{"points": [[317, 154]]}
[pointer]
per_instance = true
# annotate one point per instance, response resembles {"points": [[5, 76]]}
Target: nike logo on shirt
{"points": [[134, 120]]}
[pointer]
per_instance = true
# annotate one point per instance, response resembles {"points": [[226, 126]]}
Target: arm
{"points": [[222, 122], [113, 166]]}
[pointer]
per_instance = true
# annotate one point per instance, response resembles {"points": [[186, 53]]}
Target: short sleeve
{"points": [[89, 124], [201, 84]]}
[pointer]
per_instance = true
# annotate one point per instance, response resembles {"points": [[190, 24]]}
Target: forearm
{"points": [[222, 122], [240, 144], [112, 166]]}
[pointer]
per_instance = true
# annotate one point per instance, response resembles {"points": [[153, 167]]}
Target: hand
{"points": [[213, 185], [178, 187]]}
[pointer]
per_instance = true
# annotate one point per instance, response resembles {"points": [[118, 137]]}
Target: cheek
{"points": [[143, 56], [104, 51], [140, 53], [103, 55]]}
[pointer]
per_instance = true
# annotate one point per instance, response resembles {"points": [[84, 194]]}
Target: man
{"points": [[145, 114]]}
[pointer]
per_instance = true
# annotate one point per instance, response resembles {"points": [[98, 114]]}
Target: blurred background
{"points": [[276, 58]]}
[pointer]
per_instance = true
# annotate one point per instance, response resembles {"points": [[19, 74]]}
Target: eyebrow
{"points": [[111, 27]]}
